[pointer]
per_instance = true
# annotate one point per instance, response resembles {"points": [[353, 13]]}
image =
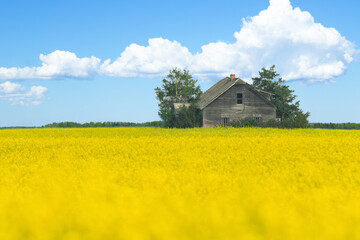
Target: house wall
{"points": [[226, 106]]}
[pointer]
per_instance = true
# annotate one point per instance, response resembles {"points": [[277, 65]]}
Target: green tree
{"points": [[283, 98], [179, 87]]}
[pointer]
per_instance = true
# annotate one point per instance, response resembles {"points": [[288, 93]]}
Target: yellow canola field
{"points": [[143, 183]]}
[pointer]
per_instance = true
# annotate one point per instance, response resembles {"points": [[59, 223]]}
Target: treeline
{"points": [[335, 125], [247, 122], [16, 127], [102, 124]]}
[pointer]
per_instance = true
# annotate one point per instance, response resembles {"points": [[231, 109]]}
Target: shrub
{"points": [[297, 121]]}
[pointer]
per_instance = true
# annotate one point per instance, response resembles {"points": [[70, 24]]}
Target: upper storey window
{"points": [[239, 98]]}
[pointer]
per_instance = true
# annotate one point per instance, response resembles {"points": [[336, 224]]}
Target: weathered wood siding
{"points": [[226, 106]]}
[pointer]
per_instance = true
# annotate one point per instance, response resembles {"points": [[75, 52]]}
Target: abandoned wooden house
{"points": [[232, 99]]}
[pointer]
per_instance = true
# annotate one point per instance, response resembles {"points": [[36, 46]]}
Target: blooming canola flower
{"points": [[142, 183]]}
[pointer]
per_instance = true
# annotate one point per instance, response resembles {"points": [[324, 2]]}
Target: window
{"points": [[225, 121], [239, 98]]}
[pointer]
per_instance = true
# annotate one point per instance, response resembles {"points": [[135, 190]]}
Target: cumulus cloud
{"points": [[291, 39], [9, 87], [282, 35], [19, 95], [56, 65], [156, 58]]}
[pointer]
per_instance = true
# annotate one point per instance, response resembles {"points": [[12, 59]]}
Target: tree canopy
{"points": [[179, 87], [283, 98]]}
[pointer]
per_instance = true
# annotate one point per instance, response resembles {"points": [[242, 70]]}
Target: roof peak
{"points": [[219, 88]]}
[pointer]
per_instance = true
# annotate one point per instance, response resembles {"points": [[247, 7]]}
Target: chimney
{"points": [[232, 76]]}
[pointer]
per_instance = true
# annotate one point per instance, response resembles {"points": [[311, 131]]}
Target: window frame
{"points": [[225, 121], [239, 99]]}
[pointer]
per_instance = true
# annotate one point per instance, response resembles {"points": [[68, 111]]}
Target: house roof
{"points": [[221, 87]]}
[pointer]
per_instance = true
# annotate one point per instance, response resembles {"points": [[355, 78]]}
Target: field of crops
{"points": [[142, 183]]}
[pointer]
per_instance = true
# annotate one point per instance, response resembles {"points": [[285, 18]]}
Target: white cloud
{"points": [[9, 87], [154, 60], [56, 65], [290, 39], [19, 95], [282, 35]]}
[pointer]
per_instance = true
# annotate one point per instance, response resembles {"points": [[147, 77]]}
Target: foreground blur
{"points": [[142, 183]]}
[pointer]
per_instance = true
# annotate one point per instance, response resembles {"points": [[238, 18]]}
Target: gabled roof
{"points": [[221, 87]]}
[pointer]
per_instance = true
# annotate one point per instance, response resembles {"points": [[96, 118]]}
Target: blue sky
{"points": [[73, 81]]}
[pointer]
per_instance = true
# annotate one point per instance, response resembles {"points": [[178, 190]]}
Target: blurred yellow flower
{"points": [[149, 183]]}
